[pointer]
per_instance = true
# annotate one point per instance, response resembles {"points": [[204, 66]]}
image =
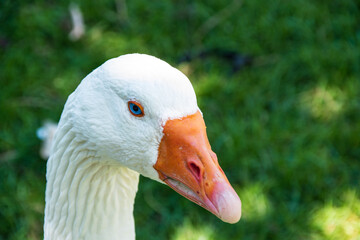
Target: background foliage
{"points": [[282, 111]]}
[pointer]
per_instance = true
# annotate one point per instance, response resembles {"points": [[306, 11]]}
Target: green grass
{"points": [[286, 129]]}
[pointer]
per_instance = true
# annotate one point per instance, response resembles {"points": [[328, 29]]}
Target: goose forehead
{"points": [[153, 82], [141, 67]]}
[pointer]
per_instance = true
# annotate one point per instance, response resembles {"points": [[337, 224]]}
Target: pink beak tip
{"points": [[227, 203]]}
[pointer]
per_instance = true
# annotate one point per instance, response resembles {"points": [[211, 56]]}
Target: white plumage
{"points": [[100, 149]]}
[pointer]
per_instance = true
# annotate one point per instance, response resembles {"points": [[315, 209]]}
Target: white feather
{"points": [[100, 148]]}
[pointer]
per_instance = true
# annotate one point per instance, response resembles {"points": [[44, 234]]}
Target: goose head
{"points": [[141, 113]]}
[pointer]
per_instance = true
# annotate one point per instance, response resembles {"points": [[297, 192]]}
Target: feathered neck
{"points": [[86, 196]]}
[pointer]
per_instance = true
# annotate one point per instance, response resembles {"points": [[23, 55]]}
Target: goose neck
{"points": [[87, 198]]}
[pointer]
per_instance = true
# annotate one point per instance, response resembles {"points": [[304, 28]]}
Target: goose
{"points": [[135, 114]]}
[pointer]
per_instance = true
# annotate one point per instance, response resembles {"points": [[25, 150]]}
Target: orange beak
{"points": [[188, 165]]}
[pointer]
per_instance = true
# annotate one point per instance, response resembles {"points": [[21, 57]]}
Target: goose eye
{"points": [[136, 109]]}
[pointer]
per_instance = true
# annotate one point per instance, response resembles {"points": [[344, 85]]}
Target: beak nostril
{"points": [[195, 169]]}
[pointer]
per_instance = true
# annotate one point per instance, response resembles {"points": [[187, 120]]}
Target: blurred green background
{"points": [[282, 115]]}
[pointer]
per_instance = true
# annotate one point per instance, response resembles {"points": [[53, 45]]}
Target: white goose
{"points": [[133, 115]]}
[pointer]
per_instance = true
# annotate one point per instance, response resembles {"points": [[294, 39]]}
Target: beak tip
{"points": [[232, 212], [228, 205]]}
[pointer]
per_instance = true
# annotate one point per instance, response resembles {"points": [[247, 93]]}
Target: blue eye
{"points": [[135, 109]]}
